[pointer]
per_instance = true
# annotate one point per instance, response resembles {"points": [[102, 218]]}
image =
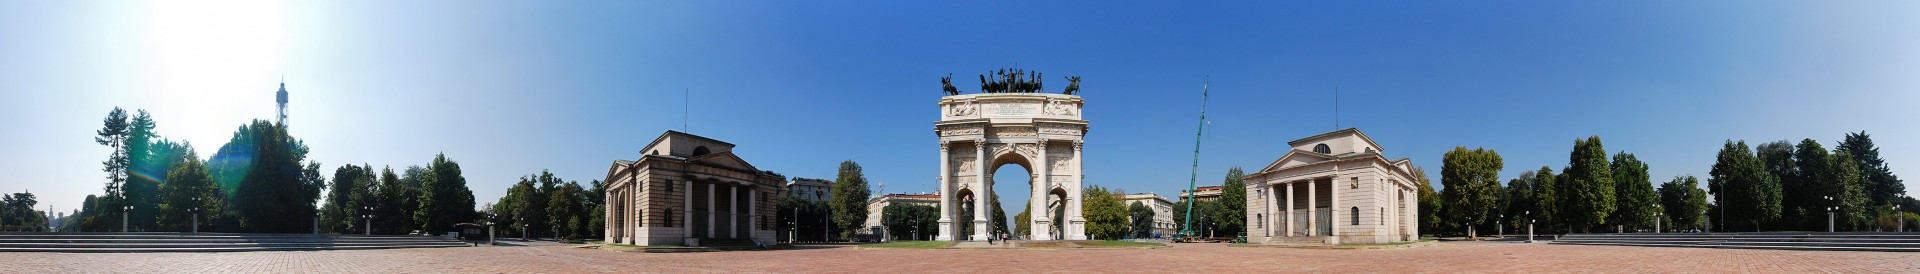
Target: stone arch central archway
{"points": [[1041, 132]]}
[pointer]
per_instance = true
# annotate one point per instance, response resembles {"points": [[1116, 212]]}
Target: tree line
{"points": [[259, 181], [1779, 186], [544, 205]]}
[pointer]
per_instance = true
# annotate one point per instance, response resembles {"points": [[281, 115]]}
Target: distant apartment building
{"points": [[877, 206], [1205, 193], [810, 189], [1162, 210]]}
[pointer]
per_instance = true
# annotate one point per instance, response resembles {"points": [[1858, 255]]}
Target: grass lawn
{"points": [[910, 244], [1114, 243]]}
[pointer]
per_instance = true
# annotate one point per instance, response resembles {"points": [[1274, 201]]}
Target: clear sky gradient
{"points": [[509, 88]]}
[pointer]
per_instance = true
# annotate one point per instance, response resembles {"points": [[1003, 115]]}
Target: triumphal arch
{"points": [[1011, 121]]}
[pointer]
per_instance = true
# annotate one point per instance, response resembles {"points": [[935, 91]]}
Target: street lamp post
{"points": [[1529, 214], [123, 218], [1500, 231], [195, 211], [1902, 223], [1656, 222], [369, 216], [1830, 209]]}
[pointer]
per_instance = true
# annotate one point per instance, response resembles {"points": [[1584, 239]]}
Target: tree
{"points": [[1684, 202], [276, 194], [1430, 202], [18, 213], [1142, 219], [1849, 194], [142, 186], [1590, 198], [1106, 217], [445, 199], [597, 209], [1023, 223], [189, 193], [1746, 192], [1472, 181], [1798, 199], [849, 199], [1634, 199], [902, 220], [802, 218], [526, 206], [1519, 199], [564, 210], [342, 213], [398, 198], [1546, 203], [113, 133], [1231, 215], [1882, 187], [999, 217]]}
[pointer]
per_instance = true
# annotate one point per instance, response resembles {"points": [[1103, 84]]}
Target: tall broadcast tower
{"points": [[282, 98]]}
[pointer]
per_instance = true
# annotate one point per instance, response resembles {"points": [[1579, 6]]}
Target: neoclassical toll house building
{"points": [[689, 190], [1333, 188]]}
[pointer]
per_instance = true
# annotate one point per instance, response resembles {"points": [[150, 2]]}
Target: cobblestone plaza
{"points": [[1451, 257]]}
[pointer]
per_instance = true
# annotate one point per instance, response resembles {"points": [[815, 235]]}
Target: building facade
{"points": [[1333, 188], [1204, 193], [692, 191], [810, 189], [876, 209], [1163, 217]]}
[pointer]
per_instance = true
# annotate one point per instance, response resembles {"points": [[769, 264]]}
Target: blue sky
{"points": [[509, 88]]}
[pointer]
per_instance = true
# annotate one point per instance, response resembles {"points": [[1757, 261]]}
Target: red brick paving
{"points": [[1182, 258]]}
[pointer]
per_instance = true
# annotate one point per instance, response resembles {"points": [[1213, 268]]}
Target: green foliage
{"points": [[1519, 200], [1472, 186], [1142, 220], [1881, 185], [445, 199], [566, 210], [1546, 202], [1430, 202], [397, 196], [277, 194], [189, 192], [525, 207], [142, 188], [17, 214], [346, 199], [1231, 208], [849, 199], [1023, 223], [1590, 190], [113, 133], [1685, 204], [808, 217], [1750, 196], [1635, 202], [903, 219], [1842, 180], [1106, 217], [1798, 199]]}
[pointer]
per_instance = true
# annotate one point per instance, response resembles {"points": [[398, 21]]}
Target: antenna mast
{"points": [[1193, 177], [686, 101]]}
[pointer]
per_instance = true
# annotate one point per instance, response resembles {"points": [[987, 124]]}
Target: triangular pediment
{"points": [[725, 159], [1296, 158]]}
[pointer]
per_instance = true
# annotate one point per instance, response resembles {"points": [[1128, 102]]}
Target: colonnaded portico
{"points": [[1333, 188], [981, 132]]}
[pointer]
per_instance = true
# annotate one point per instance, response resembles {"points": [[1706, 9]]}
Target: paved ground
{"points": [[1182, 258]]}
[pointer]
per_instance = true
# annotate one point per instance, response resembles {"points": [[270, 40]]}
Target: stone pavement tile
{"points": [[1452, 257]]}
